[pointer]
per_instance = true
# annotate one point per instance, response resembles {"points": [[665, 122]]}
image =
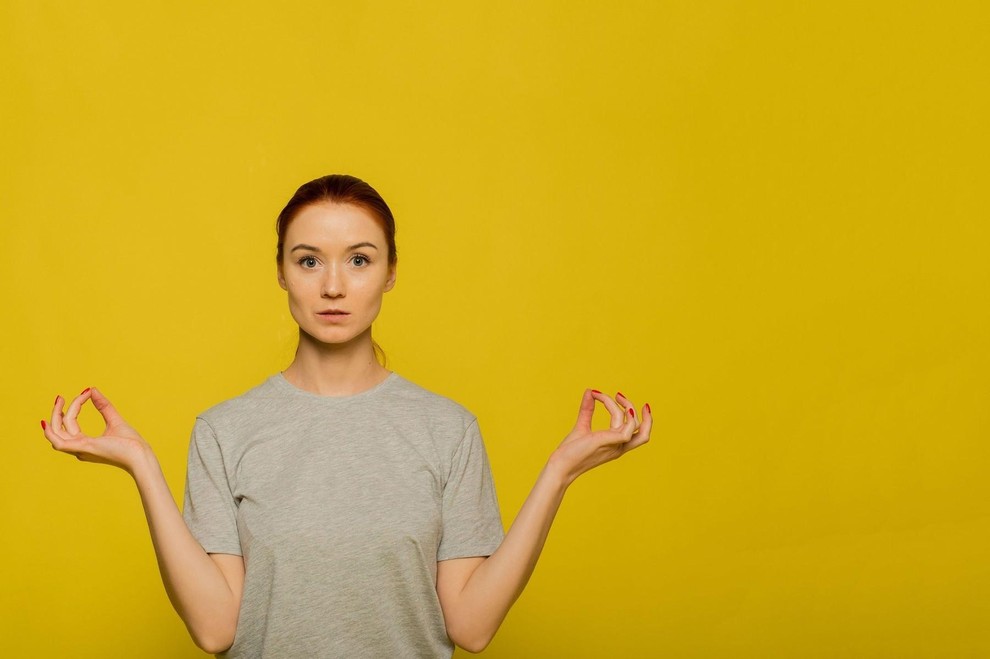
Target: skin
{"points": [[344, 266]]}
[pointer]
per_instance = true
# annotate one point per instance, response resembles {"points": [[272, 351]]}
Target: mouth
{"points": [[333, 313]]}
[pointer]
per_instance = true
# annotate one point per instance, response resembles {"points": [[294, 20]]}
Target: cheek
{"points": [[370, 290], [299, 289]]}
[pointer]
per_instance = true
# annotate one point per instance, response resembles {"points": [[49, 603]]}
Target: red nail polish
{"points": [[632, 412], [595, 391], [619, 393], [43, 426], [85, 390], [649, 411]]}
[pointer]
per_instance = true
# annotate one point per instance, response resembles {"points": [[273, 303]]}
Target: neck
{"points": [[335, 370]]}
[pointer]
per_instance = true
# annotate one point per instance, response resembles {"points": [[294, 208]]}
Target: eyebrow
{"points": [[317, 249]]}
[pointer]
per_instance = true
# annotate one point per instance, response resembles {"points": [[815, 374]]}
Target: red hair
{"points": [[338, 189]]}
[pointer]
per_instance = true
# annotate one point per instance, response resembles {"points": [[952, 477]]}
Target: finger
{"points": [[618, 415], [50, 433], [71, 414], [629, 426], [628, 405], [586, 411], [105, 408], [55, 422], [56, 439], [643, 434]]}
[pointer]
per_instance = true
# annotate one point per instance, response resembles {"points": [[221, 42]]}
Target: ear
{"points": [[390, 282], [281, 278]]}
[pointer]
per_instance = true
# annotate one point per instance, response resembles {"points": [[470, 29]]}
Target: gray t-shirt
{"points": [[341, 508]]}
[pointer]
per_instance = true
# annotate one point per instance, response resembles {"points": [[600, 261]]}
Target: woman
{"points": [[338, 509]]}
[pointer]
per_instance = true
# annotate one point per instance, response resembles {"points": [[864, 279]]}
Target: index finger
{"points": [[618, 414]]}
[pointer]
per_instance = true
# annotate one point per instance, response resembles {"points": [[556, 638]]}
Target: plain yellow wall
{"points": [[766, 219]]}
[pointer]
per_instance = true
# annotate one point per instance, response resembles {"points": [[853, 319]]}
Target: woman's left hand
{"points": [[584, 449]]}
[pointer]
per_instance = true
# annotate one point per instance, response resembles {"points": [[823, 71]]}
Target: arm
{"points": [[205, 589], [476, 593]]}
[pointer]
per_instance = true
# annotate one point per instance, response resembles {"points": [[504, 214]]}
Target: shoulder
{"points": [[435, 420], [245, 404], [423, 402]]}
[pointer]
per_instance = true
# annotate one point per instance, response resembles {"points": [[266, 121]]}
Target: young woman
{"points": [[338, 509]]}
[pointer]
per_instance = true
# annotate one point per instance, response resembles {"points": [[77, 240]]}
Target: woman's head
{"points": [[336, 258], [338, 189]]}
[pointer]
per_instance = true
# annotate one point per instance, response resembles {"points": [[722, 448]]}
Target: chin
{"points": [[338, 337]]}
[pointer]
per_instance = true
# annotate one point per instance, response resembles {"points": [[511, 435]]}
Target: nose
{"points": [[333, 282]]}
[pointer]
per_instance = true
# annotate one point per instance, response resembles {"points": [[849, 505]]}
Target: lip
{"points": [[333, 315]]}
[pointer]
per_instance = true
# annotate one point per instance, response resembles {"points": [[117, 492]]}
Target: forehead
{"points": [[334, 225]]}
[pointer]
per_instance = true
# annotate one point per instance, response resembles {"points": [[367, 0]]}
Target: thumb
{"points": [[105, 407], [586, 411]]}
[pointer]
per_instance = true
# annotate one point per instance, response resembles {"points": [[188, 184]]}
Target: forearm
{"points": [[496, 584], [195, 585]]}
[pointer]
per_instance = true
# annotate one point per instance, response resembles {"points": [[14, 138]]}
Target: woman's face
{"points": [[335, 269]]}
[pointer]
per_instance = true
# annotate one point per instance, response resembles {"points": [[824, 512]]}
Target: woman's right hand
{"points": [[119, 445]]}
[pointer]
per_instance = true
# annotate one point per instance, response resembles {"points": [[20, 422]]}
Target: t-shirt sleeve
{"points": [[472, 524], [209, 508]]}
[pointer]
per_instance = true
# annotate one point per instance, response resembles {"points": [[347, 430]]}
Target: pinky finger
{"points": [[50, 435], [57, 441], [643, 432]]}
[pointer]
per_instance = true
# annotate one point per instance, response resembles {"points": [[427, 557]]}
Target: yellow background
{"points": [[768, 220]]}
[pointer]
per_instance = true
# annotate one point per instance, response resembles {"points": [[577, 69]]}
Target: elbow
{"points": [[474, 648], [473, 643], [213, 641], [213, 644]]}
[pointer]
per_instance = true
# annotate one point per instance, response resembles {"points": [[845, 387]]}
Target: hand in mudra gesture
{"points": [[584, 449], [119, 445]]}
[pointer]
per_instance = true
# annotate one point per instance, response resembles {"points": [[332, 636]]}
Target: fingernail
{"points": [[43, 426], [619, 393], [595, 391], [56, 399], [632, 412], [85, 390], [648, 409]]}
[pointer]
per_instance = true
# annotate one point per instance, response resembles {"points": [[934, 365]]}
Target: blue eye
{"points": [[307, 258], [364, 260]]}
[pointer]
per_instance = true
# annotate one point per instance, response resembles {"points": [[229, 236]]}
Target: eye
{"points": [[306, 259], [360, 260]]}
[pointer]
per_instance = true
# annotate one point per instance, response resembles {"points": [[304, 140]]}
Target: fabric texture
{"points": [[341, 508]]}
